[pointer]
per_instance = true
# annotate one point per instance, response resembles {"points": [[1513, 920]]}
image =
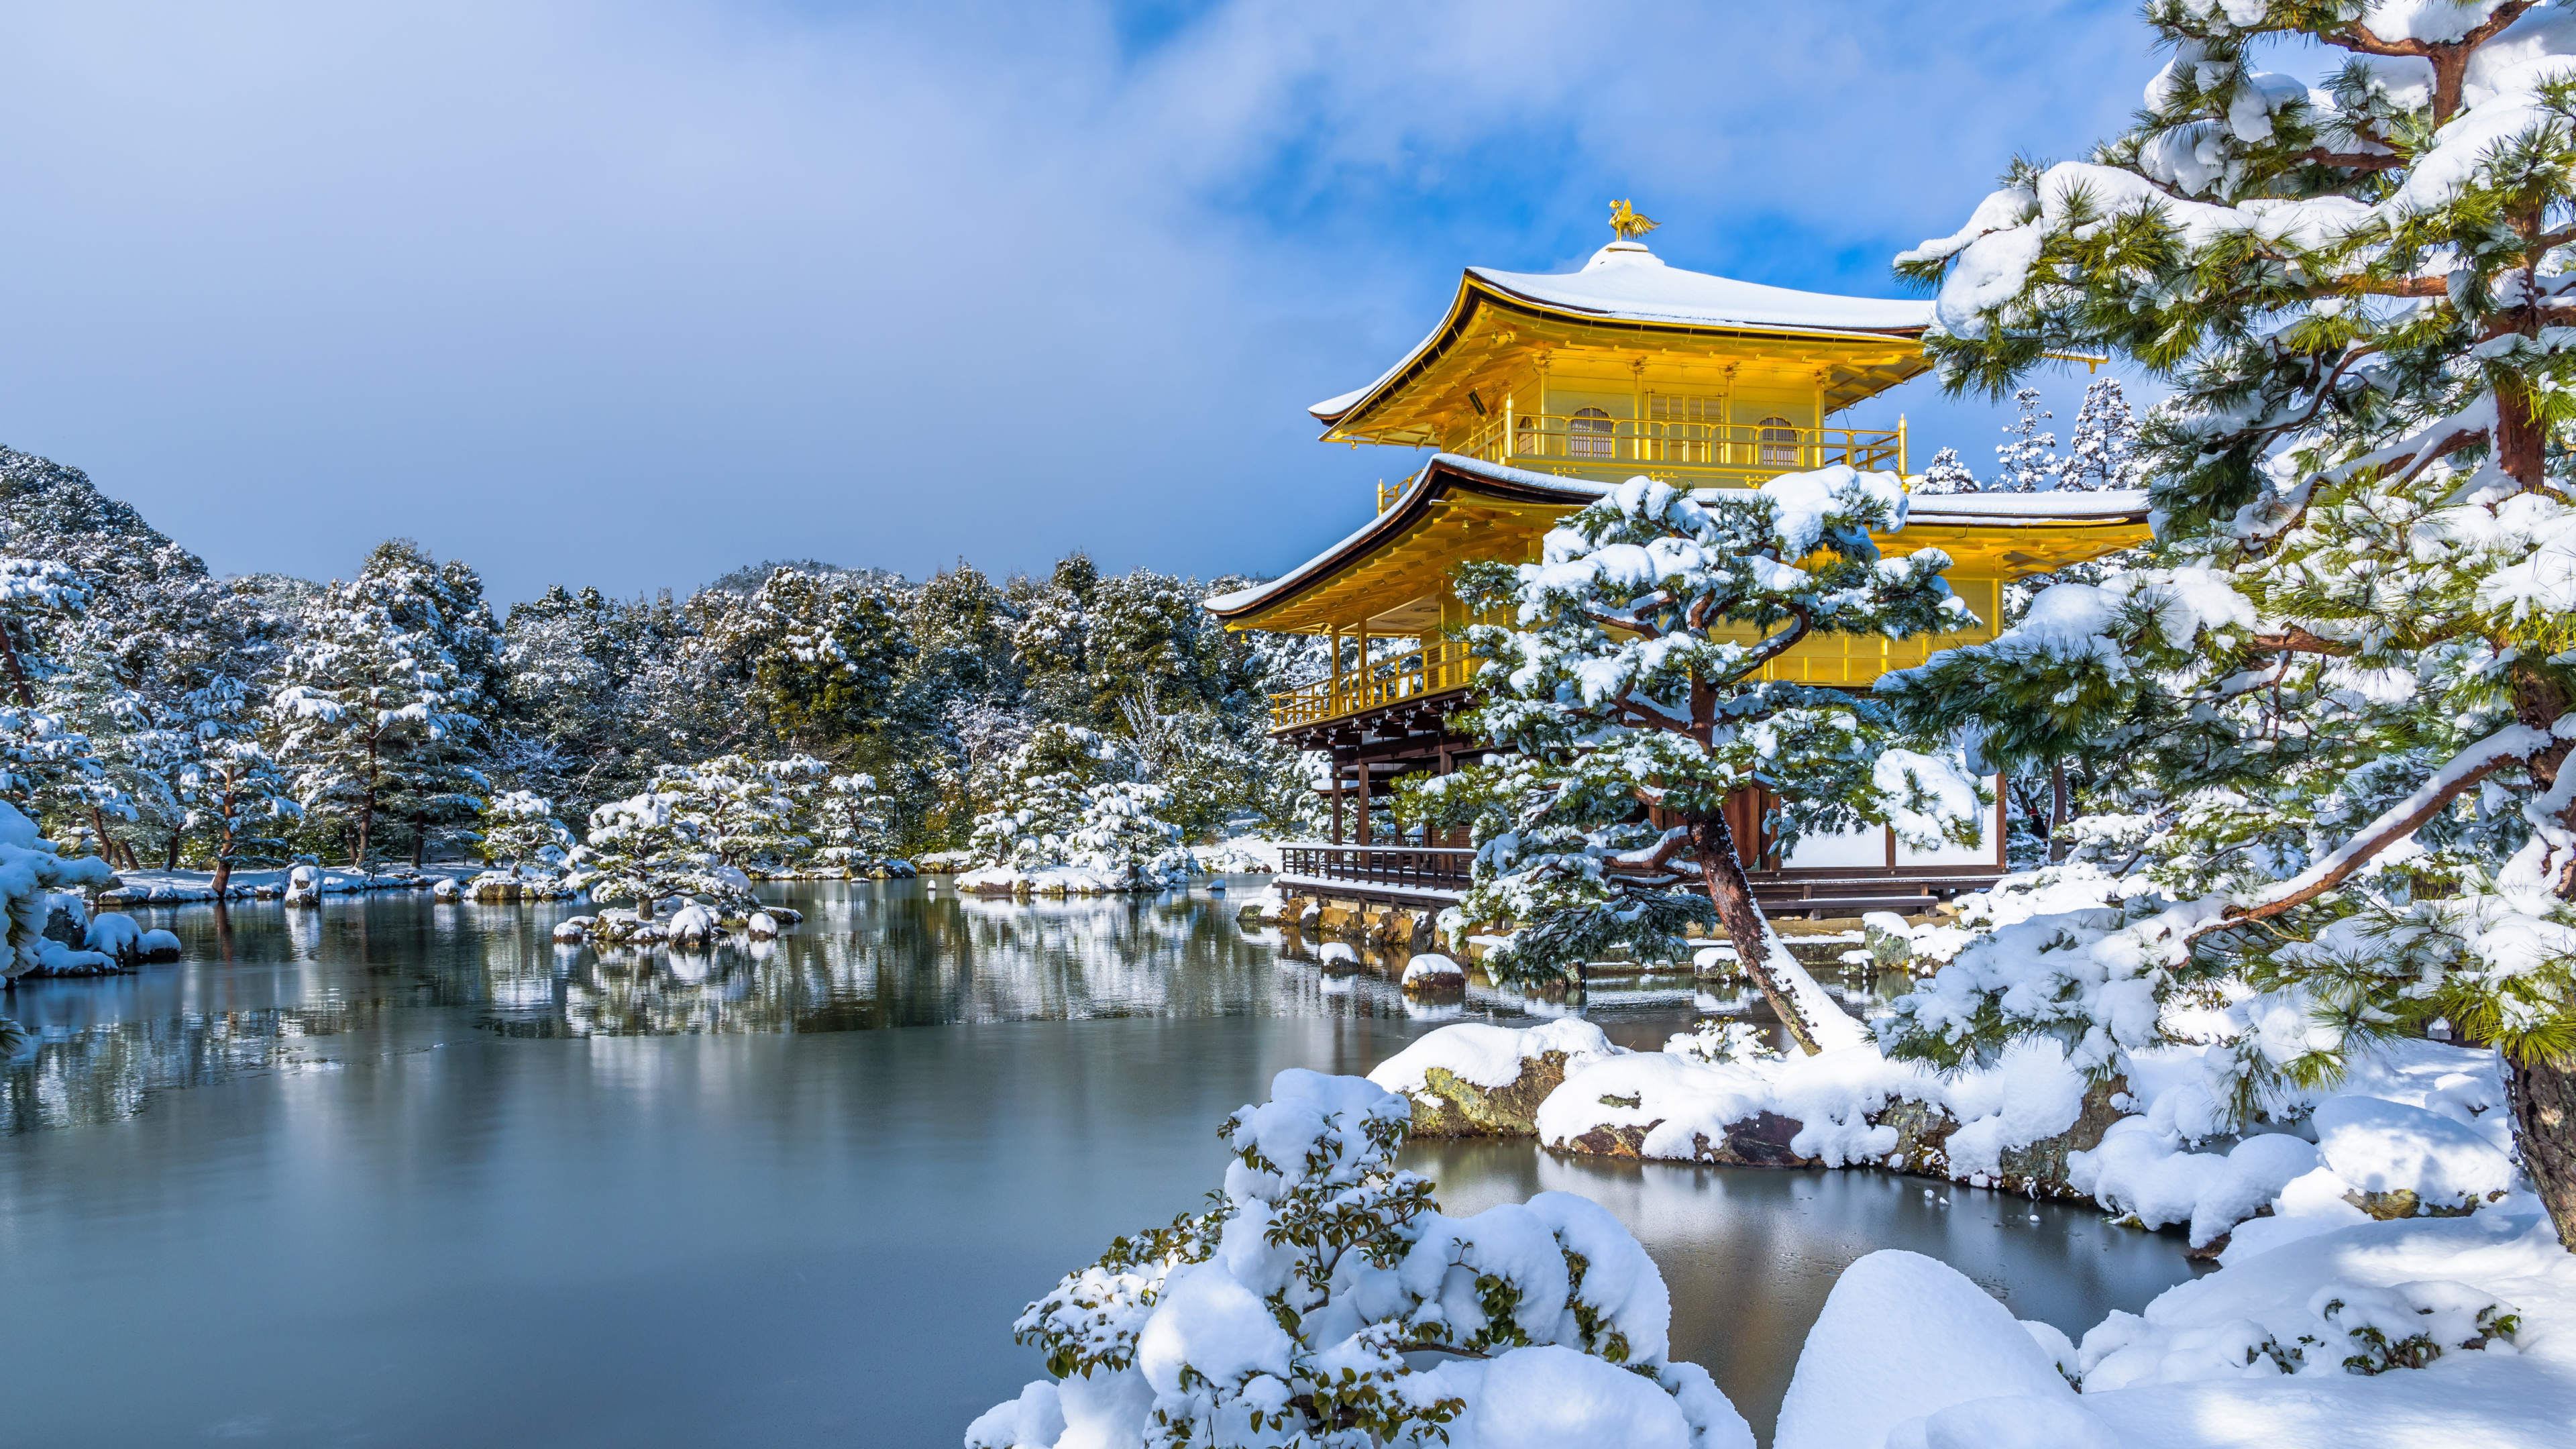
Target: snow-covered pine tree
{"points": [[1946, 475], [2028, 463], [378, 709], [232, 788], [1040, 796], [519, 828], [1052, 639], [2103, 451], [1630, 685], [2358, 639], [852, 817], [41, 758]]}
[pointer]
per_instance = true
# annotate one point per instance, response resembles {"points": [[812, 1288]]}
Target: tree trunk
{"points": [[2060, 809], [366, 812], [419, 841], [223, 873], [1732, 894], [2543, 1093], [2544, 1131], [170, 858]]}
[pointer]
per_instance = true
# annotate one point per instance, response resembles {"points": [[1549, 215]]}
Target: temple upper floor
{"points": [[1632, 366]]}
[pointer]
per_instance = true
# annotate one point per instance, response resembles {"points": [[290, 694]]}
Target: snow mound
{"points": [[161, 946], [2383, 1146], [2311, 1310], [1902, 1339], [1550, 1397]]}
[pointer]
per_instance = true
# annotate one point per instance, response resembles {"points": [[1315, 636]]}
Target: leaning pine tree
{"points": [[2353, 664], [1629, 683]]}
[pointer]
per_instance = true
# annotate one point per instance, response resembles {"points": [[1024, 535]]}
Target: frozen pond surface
{"points": [[406, 1174]]}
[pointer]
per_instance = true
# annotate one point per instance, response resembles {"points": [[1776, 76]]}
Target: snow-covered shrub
{"points": [[1286, 1314], [31, 870], [1718, 1039]]}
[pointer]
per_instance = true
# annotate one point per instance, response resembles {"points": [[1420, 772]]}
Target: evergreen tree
{"points": [[2029, 463], [231, 787], [41, 758], [852, 817], [1052, 640], [520, 829], [1946, 475], [2350, 672], [2104, 450], [1632, 690], [378, 713]]}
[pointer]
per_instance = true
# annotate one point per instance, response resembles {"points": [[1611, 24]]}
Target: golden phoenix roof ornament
{"points": [[1628, 222]]}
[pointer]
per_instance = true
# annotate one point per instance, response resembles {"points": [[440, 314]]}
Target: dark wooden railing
{"points": [[1425, 867]]}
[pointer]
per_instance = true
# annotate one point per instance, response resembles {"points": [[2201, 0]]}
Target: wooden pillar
{"points": [[1363, 832], [1337, 798]]}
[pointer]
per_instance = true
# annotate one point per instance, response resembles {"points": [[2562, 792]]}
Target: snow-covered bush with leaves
{"points": [[1324, 1300], [1629, 684], [32, 868], [2345, 691]]}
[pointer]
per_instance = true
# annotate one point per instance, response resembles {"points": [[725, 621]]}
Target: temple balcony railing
{"points": [[1420, 867], [1739, 454], [1435, 669]]}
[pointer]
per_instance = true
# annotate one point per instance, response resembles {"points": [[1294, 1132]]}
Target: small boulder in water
{"points": [[1431, 976], [113, 935], [160, 946], [693, 925]]}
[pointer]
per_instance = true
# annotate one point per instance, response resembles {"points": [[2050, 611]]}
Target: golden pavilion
{"points": [[1536, 391]]}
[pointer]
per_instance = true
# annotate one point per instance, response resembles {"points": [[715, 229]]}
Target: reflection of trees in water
{"points": [[863, 961], [102, 1073], [256, 991]]}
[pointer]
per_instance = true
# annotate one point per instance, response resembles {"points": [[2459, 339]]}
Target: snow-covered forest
{"points": [[163, 717]]}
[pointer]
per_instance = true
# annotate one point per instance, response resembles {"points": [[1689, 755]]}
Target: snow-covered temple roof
{"points": [[1628, 284], [2016, 533]]}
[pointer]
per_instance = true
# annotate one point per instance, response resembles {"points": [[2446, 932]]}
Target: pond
{"points": [[406, 1173]]}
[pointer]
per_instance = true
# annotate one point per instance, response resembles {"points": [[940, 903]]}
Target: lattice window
{"points": [[1779, 438], [1587, 435]]}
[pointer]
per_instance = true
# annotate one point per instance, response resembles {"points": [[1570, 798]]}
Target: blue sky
{"points": [[629, 292]]}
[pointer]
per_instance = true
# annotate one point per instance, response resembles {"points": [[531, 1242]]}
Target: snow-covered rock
{"points": [[693, 925], [1337, 956], [445, 889], [160, 945], [762, 926], [116, 935], [1475, 1080], [304, 886], [1432, 974], [573, 929]]}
